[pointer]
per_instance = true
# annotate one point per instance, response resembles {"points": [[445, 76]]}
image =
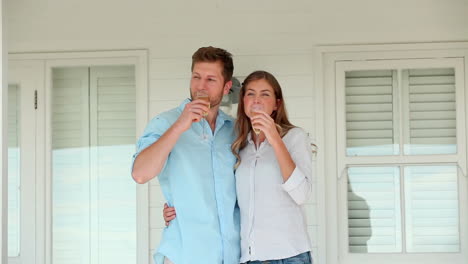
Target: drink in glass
{"points": [[203, 95], [255, 110]]}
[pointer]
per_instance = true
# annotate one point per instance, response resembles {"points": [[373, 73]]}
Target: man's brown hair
{"points": [[212, 54]]}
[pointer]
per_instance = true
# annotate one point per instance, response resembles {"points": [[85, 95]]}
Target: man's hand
{"points": [[168, 213], [193, 112]]}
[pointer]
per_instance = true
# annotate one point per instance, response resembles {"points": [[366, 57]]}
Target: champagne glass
{"points": [[255, 109], [203, 95]]}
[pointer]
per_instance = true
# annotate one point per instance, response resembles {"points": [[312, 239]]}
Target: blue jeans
{"points": [[303, 258]]}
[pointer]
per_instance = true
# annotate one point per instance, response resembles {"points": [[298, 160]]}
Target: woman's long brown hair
{"points": [[243, 125]]}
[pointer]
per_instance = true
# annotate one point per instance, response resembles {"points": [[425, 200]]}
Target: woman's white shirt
{"points": [[273, 219]]}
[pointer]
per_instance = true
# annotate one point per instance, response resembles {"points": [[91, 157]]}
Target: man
{"points": [[189, 149]]}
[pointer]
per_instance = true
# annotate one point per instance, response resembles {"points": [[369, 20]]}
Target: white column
{"points": [[3, 141]]}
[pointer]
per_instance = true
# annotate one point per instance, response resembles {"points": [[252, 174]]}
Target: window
{"points": [[399, 122], [400, 160]]}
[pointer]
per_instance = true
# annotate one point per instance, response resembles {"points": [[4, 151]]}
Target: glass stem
{"points": [[204, 136]]}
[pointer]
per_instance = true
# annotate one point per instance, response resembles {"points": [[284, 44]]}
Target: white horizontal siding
{"points": [[300, 107], [294, 65], [170, 68], [278, 65], [157, 107], [297, 85], [307, 124], [170, 89]]}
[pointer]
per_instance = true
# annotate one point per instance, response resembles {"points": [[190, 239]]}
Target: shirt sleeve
{"points": [[153, 131], [299, 184]]}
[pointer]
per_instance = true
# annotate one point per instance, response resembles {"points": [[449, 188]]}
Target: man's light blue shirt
{"points": [[198, 180]]}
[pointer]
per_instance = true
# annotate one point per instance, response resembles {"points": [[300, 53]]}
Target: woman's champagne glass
{"points": [[255, 110], [203, 95]]}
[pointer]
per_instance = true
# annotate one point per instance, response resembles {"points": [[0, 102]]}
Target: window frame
{"points": [[330, 163]]}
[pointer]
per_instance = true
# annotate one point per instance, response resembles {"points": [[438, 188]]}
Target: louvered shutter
{"points": [[93, 131], [432, 111], [369, 112], [374, 209], [70, 108], [113, 122]]}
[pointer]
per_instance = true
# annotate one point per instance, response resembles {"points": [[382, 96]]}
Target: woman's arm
{"points": [[285, 161], [294, 157], [299, 184], [267, 125]]}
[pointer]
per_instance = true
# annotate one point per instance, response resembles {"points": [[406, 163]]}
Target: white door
{"points": [[24, 79]]}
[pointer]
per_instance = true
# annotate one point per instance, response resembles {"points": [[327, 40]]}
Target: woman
{"points": [[273, 176]]}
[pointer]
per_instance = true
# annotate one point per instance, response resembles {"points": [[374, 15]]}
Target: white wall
{"points": [[275, 35], [176, 28]]}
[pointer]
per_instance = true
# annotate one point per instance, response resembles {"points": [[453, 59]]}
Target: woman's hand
{"points": [[266, 124], [169, 214]]}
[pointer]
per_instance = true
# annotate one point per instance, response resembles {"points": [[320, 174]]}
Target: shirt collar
{"points": [[250, 141], [223, 117], [182, 105]]}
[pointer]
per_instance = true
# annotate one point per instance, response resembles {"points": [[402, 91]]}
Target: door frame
{"points": [[137, 58]]}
